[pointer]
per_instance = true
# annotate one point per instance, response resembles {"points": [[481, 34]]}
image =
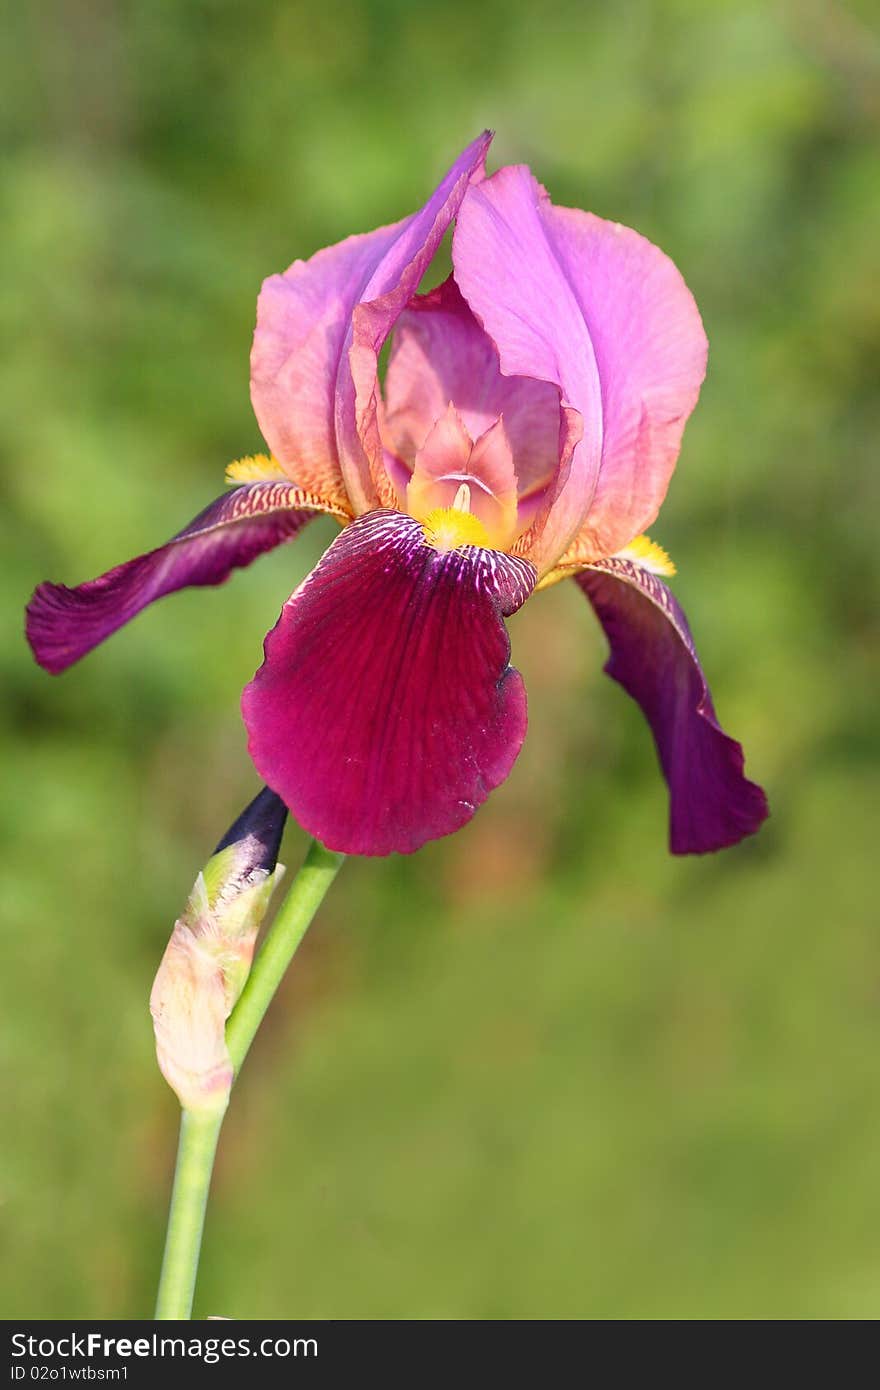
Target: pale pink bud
{"points": [[208, 958]]}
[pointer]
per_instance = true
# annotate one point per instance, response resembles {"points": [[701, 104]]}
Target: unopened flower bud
{"points": [[208, 958]]}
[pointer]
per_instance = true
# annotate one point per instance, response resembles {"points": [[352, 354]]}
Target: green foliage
{"points": [[541, 1069]]}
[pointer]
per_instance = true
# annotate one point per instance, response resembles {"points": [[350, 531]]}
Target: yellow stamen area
{"points": [[256, 468], [446, 528], [555, 576], [647, 553], [641, 551]]}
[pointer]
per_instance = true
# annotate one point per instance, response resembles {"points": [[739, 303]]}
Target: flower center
{"points": [[446, 528]]}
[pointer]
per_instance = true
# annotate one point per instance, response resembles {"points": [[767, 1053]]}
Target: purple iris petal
{"points": [[386, 709], [64, 624], [711, 803]]}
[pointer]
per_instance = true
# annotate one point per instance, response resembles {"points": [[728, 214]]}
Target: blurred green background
{"points": [[540, 1070]]}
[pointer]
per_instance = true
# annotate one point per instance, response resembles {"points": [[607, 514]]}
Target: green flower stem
{"points": [[200, 1130], [307, 891]]}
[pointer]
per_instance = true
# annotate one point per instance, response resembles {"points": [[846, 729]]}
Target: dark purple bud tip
{"points": [[256, 835]]}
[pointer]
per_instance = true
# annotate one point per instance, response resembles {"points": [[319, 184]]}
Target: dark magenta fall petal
{"points": [[711, 803], [386, 709], [64, 624]]}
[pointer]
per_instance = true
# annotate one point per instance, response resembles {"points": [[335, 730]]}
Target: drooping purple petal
{"points": [[386, 710], [594, 307], [711, 803], [320, 326], [64, 624]]}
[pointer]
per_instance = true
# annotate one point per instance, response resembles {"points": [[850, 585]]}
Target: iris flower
{"points": [[526, 429]]}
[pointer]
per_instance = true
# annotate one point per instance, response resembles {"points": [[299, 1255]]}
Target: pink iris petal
{"points": [[386, 709], [651, 350], [448, 458], [506, 267], [303, 317], [600, 311], [493, 499], [64, 624], [441, 354], [446, 450], [653, 657], [320, 326]]}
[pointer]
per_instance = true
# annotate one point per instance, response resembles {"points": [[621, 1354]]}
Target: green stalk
{"points": [[200, 1130]]}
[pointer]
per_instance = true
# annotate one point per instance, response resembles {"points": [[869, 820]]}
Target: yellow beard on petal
{"points": [[446, 528], [647, 553], [641, 551], [256, 468]]}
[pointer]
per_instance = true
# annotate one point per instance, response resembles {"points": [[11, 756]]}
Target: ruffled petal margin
{"points": [[386, 709], [711, 803], [64, 624]]}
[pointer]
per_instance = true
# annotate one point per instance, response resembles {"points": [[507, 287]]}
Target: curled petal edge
{"points": [[64, 624]]}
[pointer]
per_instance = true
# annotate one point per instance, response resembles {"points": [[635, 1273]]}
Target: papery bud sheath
{"points": [[209, 956]]}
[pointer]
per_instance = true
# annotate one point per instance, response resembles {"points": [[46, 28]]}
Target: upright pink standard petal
{"points": [[64, 624], [386, 709], [319, 329], [303, 317], [711, 803], [506, 267], [596, 309], [651, 351]]}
